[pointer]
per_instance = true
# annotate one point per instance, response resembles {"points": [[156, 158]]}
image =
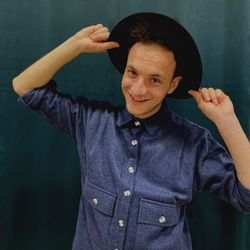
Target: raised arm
{"points": [[218, 107], [92, 39]]}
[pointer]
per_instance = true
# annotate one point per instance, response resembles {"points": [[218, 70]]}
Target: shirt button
{"points": [[127, 193], [162, 219], [131, 170], [134, 142], [95, 201], [121, 223], [137, 123]]}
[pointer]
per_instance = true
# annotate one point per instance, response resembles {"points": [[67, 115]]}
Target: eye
{"points": [[155, 81], [131, 73]]}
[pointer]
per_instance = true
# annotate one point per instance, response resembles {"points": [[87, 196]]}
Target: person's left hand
{"points": [[213, 103]]}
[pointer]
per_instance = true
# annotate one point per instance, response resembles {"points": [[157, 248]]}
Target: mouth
{"points": [[137, 100]]}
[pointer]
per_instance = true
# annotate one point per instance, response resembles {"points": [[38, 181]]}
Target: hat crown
{"points": [[157, 28]]}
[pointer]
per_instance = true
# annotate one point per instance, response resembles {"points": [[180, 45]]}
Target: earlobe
{"points": [[174, 84]]}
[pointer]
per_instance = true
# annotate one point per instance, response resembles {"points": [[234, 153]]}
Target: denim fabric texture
{"points": [[137, 175]]}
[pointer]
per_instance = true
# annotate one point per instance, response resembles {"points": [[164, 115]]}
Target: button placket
{"points": [[126, 191], [121, 215]]}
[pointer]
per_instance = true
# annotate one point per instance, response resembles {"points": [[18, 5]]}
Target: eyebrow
{"points": [[152, 75], [131, 67]]}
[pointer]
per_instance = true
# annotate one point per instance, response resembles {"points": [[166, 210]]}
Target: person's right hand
{"points": [[93, 39]]}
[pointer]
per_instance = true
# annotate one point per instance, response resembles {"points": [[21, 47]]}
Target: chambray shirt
{"points": [[138, 175]]}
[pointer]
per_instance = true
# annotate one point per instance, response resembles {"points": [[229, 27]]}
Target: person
{"points": [[141, 163]]}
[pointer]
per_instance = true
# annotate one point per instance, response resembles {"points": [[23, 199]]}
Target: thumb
{"points": [[196, 95], [108, 45]]}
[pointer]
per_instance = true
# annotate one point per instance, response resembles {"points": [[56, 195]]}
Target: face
{"points": [[148, 78]]}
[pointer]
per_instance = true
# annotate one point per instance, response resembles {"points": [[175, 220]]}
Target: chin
{"points": [[133, 111], [143, 112], [138, 113]]}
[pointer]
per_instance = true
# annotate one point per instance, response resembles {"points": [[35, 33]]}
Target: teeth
{"points": [[137, 100]]}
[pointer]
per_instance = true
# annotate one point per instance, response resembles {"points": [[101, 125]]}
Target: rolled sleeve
{"points": [[244, 196], [215, 172]]}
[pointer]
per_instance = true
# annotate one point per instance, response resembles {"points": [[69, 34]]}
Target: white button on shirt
{"points": [[134, 142], [127, 193], [121, 223], [95, 201], [162, 219], [137, 123], [131, 170]]}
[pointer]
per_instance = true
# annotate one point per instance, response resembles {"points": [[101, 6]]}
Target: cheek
{"points": [[125, 83], [160, 93]]}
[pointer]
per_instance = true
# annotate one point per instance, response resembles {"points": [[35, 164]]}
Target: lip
{"points": [[136, 101]]}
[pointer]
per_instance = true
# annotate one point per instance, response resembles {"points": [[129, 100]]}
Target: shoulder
{"points": [[195, 134], [187, 128], [184, 123]]}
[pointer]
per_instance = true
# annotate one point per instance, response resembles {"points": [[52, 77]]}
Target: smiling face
{"points": [[148, 78]]}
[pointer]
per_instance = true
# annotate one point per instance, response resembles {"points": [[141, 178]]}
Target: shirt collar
{"points": [[152, 123]]}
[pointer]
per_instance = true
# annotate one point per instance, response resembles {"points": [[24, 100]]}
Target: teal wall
{"points": [[39, 167]]}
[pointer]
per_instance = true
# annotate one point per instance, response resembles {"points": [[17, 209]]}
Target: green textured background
{"points": [[39, 166]]}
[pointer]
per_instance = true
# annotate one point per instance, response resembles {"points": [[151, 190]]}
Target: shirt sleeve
{"points": [[215, 172], [59, 109]]}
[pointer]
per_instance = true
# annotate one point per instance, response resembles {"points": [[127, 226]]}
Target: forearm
{"points": [[92, 39], [39, 73], [238, 146]]}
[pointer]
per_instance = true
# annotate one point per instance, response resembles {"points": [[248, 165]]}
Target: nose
{"points": [[139, 88]]}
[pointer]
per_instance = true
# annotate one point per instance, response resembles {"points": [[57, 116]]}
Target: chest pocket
{"points": [[98, 198], [157, 213]]}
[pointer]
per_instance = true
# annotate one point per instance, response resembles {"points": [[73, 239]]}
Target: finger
{"points": [[220, 95], [101, 30], [100, 37], [205, 94], [213, 95], [91, 29], [218, 92], [97, 26]]}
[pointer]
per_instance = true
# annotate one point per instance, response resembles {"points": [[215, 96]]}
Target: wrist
{"points": [[80, 43], [228, 121], [73, 46]]}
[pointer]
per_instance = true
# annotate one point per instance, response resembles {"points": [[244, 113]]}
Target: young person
{"points": [[141, 163]]}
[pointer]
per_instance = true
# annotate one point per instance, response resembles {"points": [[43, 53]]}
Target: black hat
{"points": [[157, 27]]}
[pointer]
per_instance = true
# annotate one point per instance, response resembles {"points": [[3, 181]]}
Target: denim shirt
{"points": [[137, 176]]}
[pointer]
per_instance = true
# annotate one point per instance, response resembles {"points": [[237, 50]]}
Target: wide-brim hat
{"points": [[185, 50]]}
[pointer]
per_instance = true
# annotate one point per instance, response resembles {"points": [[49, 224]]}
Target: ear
{"points": [[174, 84]]}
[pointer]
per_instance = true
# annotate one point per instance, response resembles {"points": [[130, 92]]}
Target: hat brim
{"points": [[189, 57]]}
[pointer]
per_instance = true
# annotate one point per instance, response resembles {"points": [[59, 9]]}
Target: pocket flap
{"points": [[157, 213], [99, 198]]}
